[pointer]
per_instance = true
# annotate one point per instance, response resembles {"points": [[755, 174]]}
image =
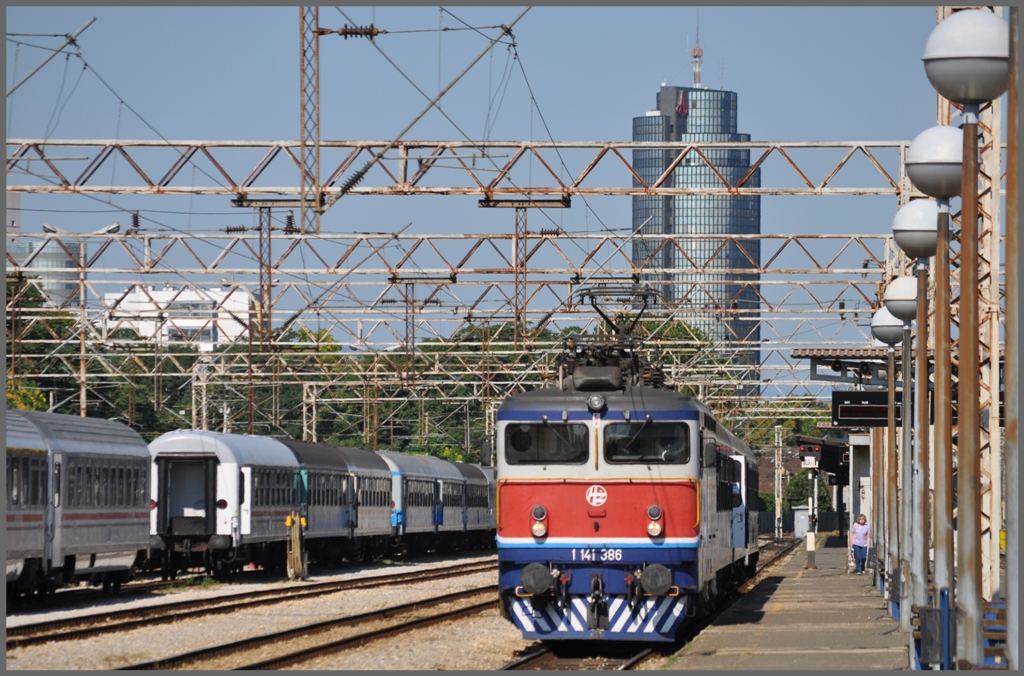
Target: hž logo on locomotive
{"points": [[597, 496]]}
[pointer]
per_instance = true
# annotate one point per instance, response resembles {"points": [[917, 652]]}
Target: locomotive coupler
{"points": [[597, 609], [632, 589], [563, 589]]}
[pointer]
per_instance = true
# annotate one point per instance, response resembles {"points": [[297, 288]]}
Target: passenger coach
{"points": [[223, 501], [77, 501]]}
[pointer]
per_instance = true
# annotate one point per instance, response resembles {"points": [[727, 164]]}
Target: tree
{"points": [[37, 362], [26, 399], [798, 490], [768, 499]]}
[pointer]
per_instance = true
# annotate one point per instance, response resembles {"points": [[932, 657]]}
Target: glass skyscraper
{"points": [[725, 305]]}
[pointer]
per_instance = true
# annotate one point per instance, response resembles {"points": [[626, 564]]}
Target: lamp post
{"points": [[914, 229], [1012, 362], [900, 299], [935, 165], [966, 58], [889, 330]]}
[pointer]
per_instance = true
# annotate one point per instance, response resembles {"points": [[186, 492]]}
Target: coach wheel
{"points": [[752, 565], [116, 586], [170, 570], [106, 586]]}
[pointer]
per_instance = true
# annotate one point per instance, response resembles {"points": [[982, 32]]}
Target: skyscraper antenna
{"points": [[698, 55]]}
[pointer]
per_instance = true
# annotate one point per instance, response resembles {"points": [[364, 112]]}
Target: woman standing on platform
{"points": [[860, 536]]}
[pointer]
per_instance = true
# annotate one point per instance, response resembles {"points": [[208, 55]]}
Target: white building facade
{"points": [[205, 319]]}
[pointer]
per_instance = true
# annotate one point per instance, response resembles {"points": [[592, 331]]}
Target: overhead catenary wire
{"points": [[358, 177], [355, 178], [144, 120], [61, 50], [70, 40], [533, 102]]}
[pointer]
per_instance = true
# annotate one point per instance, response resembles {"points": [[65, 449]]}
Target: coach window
{"points": [[93, 489], [13, 470], [71, 485], [104, 474], [647, 443], [546, 443], [81, 487], [35, 498]]}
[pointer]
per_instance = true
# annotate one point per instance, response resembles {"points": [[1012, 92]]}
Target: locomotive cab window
{"points": [[647, 443], [546, 443]]}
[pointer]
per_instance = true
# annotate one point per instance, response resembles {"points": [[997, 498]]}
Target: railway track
{"points": [[103, 623], [581, 658], [76, 596], [607, 657], [314, 640]]}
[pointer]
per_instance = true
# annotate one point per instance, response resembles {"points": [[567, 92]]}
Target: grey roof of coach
{"points": [[232, 448], [73, 434], [324, 456]]}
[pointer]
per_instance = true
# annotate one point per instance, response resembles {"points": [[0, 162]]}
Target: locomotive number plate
{"points": [[596, 554]]}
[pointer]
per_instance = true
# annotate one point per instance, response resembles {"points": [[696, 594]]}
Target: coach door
{"points": [[188, 493], [438, 505], [54, 514], [739, 510], [245, 500]]}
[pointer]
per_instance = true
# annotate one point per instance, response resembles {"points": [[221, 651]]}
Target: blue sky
{"points": [[231, 73]]}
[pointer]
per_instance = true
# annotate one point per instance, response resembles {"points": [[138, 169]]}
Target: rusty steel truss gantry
{"points": [[357, 319]]}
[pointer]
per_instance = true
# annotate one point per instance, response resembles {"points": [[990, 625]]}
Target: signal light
{"points": [[152, 504], [539, 529], [222, 504]]}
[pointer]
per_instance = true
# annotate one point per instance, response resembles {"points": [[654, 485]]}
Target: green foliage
{"points": [[33, 330], [26, 399], [768, 499], [799, 489]]}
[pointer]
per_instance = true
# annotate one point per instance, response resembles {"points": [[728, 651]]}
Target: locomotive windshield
{"points": [[546, 443], [647, 442]]}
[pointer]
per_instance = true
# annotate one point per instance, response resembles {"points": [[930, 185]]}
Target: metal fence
{"points": [[827, 521]]}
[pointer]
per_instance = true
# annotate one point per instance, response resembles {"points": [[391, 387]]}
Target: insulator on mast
{"points": [[370, 31]]}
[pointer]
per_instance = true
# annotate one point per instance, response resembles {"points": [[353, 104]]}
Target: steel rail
{"points": [[525, 660], [217, 651], [370, 636], [92, 625]]}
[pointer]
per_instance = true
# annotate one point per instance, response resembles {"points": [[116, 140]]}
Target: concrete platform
{"points": [[799, 619]]}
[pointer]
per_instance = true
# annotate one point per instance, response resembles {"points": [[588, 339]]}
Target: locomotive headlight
{"points": [[595, 403], [654, 529], [654, 512], [539, 528]]}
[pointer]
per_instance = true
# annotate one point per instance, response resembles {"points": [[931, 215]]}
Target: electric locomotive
{"points": [[623, 507]]}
